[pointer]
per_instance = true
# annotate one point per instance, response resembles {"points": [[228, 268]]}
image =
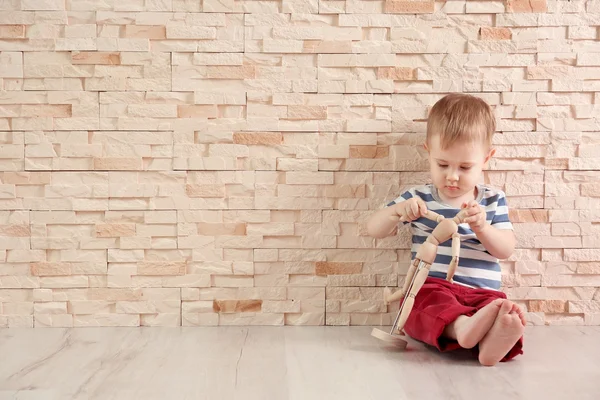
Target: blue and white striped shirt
{"points": [[477, 268]]}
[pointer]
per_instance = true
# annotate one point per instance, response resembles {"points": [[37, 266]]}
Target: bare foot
{"points": [[468, 331], [503, 335]]}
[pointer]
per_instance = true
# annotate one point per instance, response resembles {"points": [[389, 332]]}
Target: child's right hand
{"points": [[410, 210]]}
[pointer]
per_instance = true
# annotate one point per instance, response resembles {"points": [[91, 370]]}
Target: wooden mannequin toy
{"points": [[419, 270]]}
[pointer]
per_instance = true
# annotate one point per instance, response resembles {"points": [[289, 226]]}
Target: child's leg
{"points": [[469, 329], [504, 341], [439, 319]]}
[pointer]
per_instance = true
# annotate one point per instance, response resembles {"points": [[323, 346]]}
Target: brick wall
{"points": [[187, 162]]}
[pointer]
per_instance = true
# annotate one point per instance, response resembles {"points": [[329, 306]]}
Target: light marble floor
{"points": [[277, 363]]}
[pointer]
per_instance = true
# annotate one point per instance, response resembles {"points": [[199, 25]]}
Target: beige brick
{"points": [[590, 189], [307, 112], [548, 72], [91, 307], [148, 307], [12, 31], [42, 5], [161, 320], [19, 321], [201, 111], [258, 138], [409, 6], [106, 320], [116, 164], [81, 31], [207, 229], [51, 269], [161, 268], [526, 6], [327, 46], [250, 319], [200, 319], [15, 230], [189, 32], [205, 191], [17, 308], [300, 6], [53, 321], [16, 295], [485, 7], [337, 319], [548, 306], [145, 31], [337, 268], [232, 281], [235, 306], [115, 230], [300, 178], [491, 33], [51, 308]]}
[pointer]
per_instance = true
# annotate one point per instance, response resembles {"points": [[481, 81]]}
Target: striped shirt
{"points": [[477, 268]]}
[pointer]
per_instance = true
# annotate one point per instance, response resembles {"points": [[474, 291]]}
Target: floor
{"points": [[277, 363]]}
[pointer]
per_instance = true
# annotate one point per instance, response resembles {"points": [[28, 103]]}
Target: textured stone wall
{"points": [[189, 162]]}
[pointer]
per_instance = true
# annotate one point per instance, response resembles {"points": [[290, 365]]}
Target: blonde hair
{"points": [[461, 117]]}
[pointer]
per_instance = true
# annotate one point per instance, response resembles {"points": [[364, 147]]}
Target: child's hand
{"points": [[476, 216], [410, 209]]}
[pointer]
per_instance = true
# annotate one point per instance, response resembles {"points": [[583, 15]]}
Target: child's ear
{"points": [[489, 156], [425, 147]]}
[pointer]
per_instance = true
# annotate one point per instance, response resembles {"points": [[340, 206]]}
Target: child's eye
{"points": [[442, 165], [466, 168]]}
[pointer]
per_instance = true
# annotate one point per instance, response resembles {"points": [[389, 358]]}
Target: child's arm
{"points": [[385, 221], [500, 243]]}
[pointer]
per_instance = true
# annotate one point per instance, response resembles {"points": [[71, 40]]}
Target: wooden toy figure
{"points": [[419, 270]]}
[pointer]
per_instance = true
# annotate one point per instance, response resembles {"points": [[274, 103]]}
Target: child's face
{"points": [[456, 170]]}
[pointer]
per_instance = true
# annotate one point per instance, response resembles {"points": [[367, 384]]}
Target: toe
{"points": [[505, 308], [518, 323], [487, 361], [516, 309], [522, 318]]}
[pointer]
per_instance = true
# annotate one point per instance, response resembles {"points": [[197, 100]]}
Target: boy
{"points": [[472, 312]]}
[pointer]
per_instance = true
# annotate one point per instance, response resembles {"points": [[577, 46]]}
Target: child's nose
{"points": [[452, 175]]}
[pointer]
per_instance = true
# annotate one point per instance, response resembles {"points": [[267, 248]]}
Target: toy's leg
{"points": [[407, 305], [422, 262], [388, 297], [455, 254], [426, 253]]}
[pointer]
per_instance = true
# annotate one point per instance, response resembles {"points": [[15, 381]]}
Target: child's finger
{"points": [[472, 211], [414, 207], [406, 214], [474, 220], [422, 207]]}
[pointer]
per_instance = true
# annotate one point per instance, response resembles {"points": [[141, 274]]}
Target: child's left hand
{"points": [[476, 216]]}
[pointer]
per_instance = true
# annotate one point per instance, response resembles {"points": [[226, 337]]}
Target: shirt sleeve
{"points": [[501, 217]]}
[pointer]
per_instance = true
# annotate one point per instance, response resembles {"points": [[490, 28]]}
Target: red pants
{"points": [[439, 303]]}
